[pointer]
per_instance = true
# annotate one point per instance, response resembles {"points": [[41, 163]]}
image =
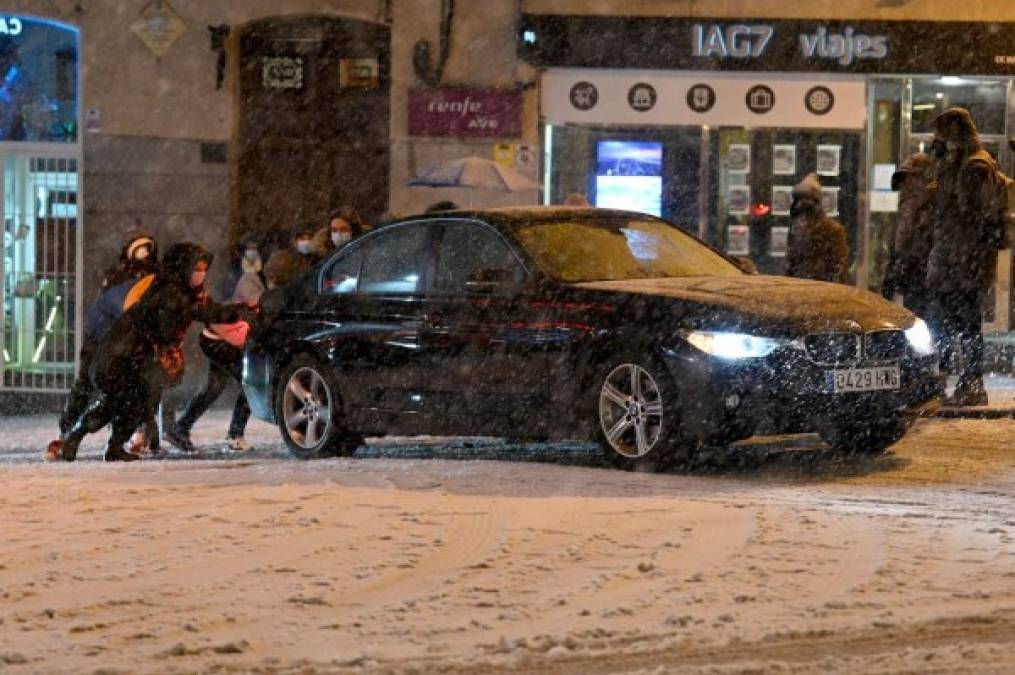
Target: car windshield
{"points": [[616, 249]]}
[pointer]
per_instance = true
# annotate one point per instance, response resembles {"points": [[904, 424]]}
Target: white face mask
{"points": [[251, 254], [339, 238], [303, 247], [141, 253], [196, 279]]}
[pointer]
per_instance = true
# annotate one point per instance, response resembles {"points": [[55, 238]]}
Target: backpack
{"points": [[1001, 223], [113, 302]]}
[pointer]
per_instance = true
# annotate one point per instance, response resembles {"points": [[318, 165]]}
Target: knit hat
{"points": [[810, 186]]}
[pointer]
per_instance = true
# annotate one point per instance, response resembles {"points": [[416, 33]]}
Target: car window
{"points": [[468, 248], [342, 275], [395, 261]]}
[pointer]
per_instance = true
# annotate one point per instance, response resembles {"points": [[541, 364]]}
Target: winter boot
{"points": [[120, 455], [54, 451], [181, 439]]}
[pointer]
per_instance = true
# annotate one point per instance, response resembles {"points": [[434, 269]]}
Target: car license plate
{"points": [[862, 379]]}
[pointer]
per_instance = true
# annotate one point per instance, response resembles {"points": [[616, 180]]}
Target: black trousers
{"points": [[958, 325], [82, 389], [225, 364]]}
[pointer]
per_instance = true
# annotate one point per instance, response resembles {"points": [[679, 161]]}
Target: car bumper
{"points": [[723, 400]]}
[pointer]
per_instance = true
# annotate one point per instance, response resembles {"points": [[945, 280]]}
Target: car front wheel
{"points": [[637, 423], [309, 412]]}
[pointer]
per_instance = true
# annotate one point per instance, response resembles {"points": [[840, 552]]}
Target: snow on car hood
{"points": [[806, 304]]}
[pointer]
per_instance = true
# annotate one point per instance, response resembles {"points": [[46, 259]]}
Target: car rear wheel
{"points": [[309, 412], [867, 437], [637, 424]]}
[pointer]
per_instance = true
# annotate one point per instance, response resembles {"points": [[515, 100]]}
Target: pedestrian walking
{"points": [[142, 354], [966, 232], [909, 247], [817, 247]]}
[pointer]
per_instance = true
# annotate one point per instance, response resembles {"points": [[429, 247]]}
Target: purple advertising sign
{"points": [[465, 112]]}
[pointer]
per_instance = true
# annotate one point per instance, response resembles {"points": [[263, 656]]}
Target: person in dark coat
{"points": [[139, 257], [817, 247], [963, 252], [910, 244], [142, 353]]}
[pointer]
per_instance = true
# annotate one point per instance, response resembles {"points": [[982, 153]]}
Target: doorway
{"points": [[313, 118]]}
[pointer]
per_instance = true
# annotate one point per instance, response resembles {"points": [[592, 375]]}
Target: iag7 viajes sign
{"points": [[465, 113]]}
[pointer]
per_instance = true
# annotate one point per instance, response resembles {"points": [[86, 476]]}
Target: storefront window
{"points": [[986, 100], [38, 80]]}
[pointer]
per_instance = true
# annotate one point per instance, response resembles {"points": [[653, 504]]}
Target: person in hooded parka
{"points": [[965, 237], [817, 247], [142, 354], [910, 244], [139, 258]]}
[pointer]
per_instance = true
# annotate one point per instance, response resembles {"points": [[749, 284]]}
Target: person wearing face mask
{"points": [[303, 246], [963, 252], [141, 353], [817, 247], [344, 225], [138, 259]]}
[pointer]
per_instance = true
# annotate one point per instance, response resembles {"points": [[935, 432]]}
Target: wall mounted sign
{"points": [[586, 96], [768, 45], [282, 72], [159, 27], [468, 113], [359, 73]]}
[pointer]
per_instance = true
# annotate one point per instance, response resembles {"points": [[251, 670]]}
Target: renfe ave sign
{"points": [[465, 113]]}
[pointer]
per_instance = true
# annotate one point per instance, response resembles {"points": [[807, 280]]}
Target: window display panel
{"points": [[629, 176]]}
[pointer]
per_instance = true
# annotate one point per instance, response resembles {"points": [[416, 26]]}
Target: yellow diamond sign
{"points": [[159, 27]]}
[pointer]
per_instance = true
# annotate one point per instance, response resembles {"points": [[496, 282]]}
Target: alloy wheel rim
{"points": [[306, 408], [631, 410]]}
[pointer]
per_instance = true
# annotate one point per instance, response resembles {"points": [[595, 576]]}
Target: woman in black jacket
{"points": [[141, 354]]}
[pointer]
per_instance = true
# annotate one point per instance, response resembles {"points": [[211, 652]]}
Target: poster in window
{"points": [[739, 200], [828, 160], [783, 160], [738, 160], [778, 241], [782, 198], [738, 240], [830, 200]]}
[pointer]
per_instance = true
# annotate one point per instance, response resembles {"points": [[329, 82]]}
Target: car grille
{"points": [[835, 349], [830, 349], [885, 345]]}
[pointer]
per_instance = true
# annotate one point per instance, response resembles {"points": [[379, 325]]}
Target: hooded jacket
{"points": [[962, 256], [910, 245], [817, 247], [127, 357]]}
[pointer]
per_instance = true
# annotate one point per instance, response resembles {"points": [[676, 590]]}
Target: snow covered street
{"points": [[444, 557]]}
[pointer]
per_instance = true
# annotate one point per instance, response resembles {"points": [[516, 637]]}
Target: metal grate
{"points": [[885, 345], [39, 274], [833, 349]]}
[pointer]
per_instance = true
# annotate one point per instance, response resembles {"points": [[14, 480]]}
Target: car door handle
{"points": [[435, 319]]}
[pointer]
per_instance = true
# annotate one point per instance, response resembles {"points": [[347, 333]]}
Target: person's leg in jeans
{"points": [[179, 435], [231, 359], [969, 326]]}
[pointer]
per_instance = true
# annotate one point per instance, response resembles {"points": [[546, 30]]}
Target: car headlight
{"points": [[920, 338], [732, 345]]}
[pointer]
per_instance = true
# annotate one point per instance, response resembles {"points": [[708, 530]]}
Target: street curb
{"points": [[975, 413]]}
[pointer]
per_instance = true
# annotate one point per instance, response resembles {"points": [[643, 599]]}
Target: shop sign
{"points": [[282, 72], [768, 45], [10, 25], [733, 99], [465, 112]]}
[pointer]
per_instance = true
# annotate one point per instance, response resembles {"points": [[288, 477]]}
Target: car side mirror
{"points": [[487, 280], [745, 264]]}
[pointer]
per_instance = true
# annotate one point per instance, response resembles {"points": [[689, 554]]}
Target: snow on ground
{"points": [[472, 556]]}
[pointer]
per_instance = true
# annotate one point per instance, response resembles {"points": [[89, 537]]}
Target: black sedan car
{"points": [[556, 323]]}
